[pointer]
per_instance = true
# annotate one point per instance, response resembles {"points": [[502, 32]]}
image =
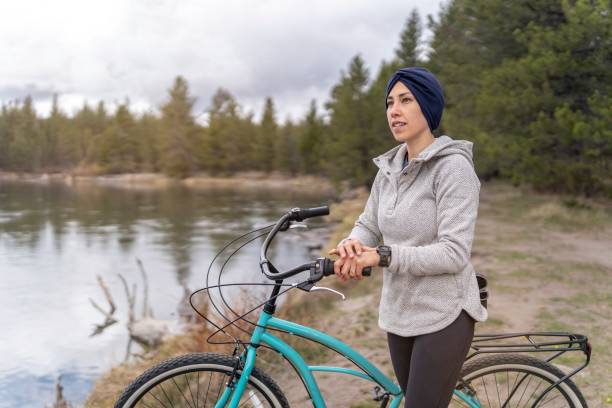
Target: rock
{"points": [[149, 332]]}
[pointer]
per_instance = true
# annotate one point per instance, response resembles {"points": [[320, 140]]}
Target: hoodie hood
{"points": [[442, 146]]}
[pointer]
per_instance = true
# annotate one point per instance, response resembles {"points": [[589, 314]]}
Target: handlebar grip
{"points": [[328, 268], [305, 213]]}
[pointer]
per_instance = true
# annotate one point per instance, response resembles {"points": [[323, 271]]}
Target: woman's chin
{"points": [[405, 136], [402, 137]]}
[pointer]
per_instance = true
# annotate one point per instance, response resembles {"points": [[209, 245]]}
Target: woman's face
{"points": [[404, 115]]}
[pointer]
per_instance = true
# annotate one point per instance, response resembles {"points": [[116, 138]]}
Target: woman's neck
{"points": [[418, 144]]}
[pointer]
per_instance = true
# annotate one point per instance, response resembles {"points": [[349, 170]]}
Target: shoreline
{"points": [[200, 181]]}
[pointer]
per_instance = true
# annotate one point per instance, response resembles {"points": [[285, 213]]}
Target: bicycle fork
{"points": [[235, 389]]}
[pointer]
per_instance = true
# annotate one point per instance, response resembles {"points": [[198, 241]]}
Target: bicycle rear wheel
{"points": [[197, 381], [513, 380]]}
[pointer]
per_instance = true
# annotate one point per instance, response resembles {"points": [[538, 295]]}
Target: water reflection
{"points": [[55, 240]]}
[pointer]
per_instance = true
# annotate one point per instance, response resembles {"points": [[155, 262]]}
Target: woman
{"points": [[423, 207]]}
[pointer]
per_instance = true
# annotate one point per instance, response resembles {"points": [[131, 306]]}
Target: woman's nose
{"points": [[393, 111]]}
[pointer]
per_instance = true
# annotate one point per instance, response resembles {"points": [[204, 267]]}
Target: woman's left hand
{"points": [[352, 268]]}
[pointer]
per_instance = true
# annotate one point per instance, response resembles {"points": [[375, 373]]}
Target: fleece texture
{"points": [[426, 212]]}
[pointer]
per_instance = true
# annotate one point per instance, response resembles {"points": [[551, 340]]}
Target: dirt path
{"points": [[549, 267]]}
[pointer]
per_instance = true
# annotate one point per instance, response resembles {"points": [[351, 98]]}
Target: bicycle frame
{"points": [[234, 390], [262, 336]]}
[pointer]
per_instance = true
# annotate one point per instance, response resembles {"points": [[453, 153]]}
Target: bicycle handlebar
{"points": [[328, 268], [302, 214], [296, 214]]}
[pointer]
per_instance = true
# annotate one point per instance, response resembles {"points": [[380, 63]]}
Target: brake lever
{"points": [[297, 225], [315, 288]]}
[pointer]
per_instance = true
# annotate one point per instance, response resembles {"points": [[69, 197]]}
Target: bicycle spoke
{"points": [[198, 391], [164, 391], [219, 391], [259, 402], [207, 390], [182, 383], [190, 392], [513, 389], [181, 391], [508, 387], [552, 399], [497, 390], [485, 388], [523, 394], [158, 400], [533, 393], [145, 404]]}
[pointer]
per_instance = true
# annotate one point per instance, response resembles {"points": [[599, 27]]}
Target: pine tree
{"points": [[25, 147], [552, 102], [227, 146], [348, 147], [470, 38], [408, 52], [178, 133], [6, 112], [285, 149], [83, 123], [267, 136], [310, 141], [117, 147], [147, 134]]}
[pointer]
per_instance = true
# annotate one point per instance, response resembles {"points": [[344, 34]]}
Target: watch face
{"points": [[385, 253]]}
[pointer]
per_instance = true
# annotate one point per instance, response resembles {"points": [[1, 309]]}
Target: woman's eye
{"points": [[406, 100]]}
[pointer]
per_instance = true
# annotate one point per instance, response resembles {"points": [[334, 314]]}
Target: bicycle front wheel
{"points": [[197, 380], [514, 380]]}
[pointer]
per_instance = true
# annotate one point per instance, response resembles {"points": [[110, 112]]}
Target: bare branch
{"points": [[107, 294], [99, 309], [131, 298], [146, 309], [109, 319]]}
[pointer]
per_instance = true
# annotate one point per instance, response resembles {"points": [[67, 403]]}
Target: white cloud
{"points": [[290, 50]]}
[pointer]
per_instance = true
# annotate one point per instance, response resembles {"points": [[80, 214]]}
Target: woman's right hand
{"points": [[347, 250]]}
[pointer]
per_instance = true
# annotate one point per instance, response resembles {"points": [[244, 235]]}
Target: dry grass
{"points": [[108, 388]]}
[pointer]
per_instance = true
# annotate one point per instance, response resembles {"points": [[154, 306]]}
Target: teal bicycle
{"points": [[500, 371]]}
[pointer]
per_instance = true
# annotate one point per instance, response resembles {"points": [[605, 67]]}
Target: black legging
{"points": [[427, 366]]}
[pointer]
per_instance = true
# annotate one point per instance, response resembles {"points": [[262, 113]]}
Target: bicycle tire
{"points": [[520, 371], [205, 370]]}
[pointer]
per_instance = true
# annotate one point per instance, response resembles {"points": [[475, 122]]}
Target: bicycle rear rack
{"points": [[556, 343]]}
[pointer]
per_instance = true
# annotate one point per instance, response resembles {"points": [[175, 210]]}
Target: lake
{"points": [[55, 239]]}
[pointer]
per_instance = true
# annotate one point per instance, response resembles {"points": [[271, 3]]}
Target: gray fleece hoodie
{"points": [[426, 213]]}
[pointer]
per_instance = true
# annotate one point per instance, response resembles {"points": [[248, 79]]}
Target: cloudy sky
{"points": [[108, 50]]}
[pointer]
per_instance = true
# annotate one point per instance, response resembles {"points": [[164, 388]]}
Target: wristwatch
{"points": [[384, 252]]}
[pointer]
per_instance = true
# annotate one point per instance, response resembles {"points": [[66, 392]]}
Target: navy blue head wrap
{"points": [[425, 88]]}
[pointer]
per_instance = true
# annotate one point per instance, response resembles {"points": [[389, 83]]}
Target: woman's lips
{"points": [[398, 126]]}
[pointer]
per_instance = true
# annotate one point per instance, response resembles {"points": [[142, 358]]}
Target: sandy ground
{"points": [[549, 268]]}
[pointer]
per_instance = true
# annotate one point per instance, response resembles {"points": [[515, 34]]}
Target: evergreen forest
{"points": [[528, 81]]}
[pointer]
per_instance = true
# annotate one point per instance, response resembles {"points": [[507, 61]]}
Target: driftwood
{"points": [[60, 401], [131, 298], [145, 330], [146, 309], [109, 318]]}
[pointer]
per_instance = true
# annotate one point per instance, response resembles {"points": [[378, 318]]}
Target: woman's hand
{"points": [[354, 256]]}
